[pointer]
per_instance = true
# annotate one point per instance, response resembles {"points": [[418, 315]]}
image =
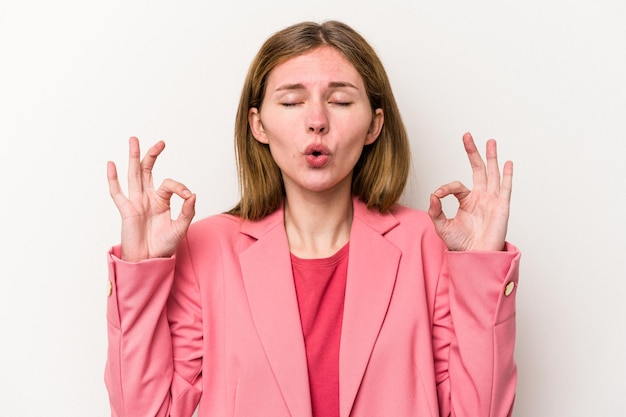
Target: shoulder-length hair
{"points": [[380, 174]]}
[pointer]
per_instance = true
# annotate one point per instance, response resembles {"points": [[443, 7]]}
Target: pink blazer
{"points": [[426, 332]]}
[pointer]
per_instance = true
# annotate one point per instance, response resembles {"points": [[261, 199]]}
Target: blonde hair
{"points": [[381, 173]]}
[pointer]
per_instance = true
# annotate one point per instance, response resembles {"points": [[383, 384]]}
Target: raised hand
{"points": [[148, 230], [482, 218]]}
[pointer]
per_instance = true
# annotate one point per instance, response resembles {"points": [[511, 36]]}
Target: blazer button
{"points": [[508, 289]]}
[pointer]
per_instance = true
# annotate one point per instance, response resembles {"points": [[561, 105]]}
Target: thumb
{"points": [[435, 211], [187, 211]]}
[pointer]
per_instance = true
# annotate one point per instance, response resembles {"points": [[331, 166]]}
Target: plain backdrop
{"points": [[545, 78]]}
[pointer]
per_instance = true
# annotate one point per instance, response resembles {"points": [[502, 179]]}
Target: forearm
{"points": [[139, 366], [481, 375]]}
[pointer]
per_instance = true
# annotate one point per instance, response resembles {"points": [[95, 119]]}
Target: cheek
{"points": [[358, 136], [279, 129]]}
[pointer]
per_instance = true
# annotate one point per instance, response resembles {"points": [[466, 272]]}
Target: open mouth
{"points": [[317, 155], [317, 150]]}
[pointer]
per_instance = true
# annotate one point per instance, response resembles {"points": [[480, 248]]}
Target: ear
{"points": [[256, 126], [378, 119]]}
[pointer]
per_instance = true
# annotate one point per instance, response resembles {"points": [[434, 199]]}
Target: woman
{"points": [[317, 295]]}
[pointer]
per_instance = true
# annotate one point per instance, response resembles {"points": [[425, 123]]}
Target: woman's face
{"points": [[316, 118]]}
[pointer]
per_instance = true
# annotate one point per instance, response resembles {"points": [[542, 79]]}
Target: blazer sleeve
{"points": [[474, 333], [154, 338]]}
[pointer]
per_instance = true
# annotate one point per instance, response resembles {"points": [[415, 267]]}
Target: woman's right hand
{"points": [[148, 230]]}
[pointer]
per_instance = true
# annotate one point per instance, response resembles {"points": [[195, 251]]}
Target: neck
{"points": [[317, 227]]}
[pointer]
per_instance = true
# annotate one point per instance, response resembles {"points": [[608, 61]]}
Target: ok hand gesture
{"points": [[148, 230], [482, 218]]}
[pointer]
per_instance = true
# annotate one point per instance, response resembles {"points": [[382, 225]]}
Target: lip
{"points": [[317, 155]]}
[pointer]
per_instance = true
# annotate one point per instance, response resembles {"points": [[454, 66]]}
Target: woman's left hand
{"points": [[482, 218]]}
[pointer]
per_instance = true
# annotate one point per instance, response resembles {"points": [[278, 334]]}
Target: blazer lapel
{"points": [[372, 270], [268, 279]]}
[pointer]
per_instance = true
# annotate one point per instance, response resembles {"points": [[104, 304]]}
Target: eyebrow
{"points": [[333, 84]]}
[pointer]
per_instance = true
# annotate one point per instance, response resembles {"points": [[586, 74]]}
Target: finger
{"points": [[507, 181], [170, 187], [493, 170], [456, 188], [479, 175], [114, 185], [135, 187], [147, 164]]}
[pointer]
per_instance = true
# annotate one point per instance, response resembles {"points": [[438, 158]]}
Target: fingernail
{"points": [[186, 193]]}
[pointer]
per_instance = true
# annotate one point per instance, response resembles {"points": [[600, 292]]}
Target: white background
{"points": [[546, 78]]}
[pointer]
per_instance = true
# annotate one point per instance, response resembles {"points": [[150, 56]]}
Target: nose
{"points": [[317, 120], [316, 129]]}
